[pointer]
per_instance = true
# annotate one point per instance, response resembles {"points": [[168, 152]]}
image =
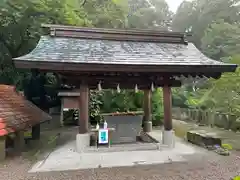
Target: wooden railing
{"points": [[209, 118]]}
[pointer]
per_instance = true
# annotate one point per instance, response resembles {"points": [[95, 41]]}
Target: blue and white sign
{"points": [[102, 136]]}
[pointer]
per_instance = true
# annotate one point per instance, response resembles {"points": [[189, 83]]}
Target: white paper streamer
{"points": [[99, 86], [136, 88], [152, 87], [118, 88]]}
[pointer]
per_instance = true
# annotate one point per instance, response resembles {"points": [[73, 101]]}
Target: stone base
{"points": [[146, 138], [147, 126], [168, 138], [82, 142]]}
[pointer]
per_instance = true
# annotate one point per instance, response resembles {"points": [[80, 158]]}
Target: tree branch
{"points": [[84, 2]]}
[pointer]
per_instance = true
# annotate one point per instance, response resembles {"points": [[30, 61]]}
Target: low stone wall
{"points": [[202, 138], [209, 118]]}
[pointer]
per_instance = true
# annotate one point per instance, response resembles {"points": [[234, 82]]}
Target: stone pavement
{"points": [[66, 158]]}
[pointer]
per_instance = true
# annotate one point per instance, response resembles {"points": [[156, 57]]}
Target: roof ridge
{"points": [[141, 35]]}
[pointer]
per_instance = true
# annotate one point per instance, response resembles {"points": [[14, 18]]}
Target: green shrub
{"points": [[157, 108], [227, 146]]}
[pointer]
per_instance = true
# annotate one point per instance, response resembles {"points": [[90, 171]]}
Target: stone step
{"points": [[125, 147], [203, 138]]}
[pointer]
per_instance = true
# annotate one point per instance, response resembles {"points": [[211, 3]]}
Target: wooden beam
{"points": [[125, 85], [148, 76], [124, 80]]}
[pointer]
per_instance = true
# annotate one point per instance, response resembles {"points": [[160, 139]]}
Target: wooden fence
{"points": [[209, 118]]}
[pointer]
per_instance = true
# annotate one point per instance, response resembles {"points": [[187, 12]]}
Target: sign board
{"points": [[102, 136]]}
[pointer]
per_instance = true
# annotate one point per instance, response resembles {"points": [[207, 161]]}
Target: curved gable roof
{"points": [[70, 47]]}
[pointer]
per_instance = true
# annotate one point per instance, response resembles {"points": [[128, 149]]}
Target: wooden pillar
{"points": [[36, 131], [61, 113], [2, 148], [167, 103], [19, 141], [147, 119], [84, 109]]}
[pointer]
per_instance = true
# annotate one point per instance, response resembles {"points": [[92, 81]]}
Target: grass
{"points": [[227, 146], [180, 130]]}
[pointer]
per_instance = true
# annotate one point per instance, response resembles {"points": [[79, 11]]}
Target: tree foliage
{"points": [[197, 15], [21, 29], [225, 91], [152, 15], [221, 40], [215, 26]]}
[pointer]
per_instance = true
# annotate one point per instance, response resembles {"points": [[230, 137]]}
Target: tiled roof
{"points": [[16, 113], [70, 48], [76, 50]]}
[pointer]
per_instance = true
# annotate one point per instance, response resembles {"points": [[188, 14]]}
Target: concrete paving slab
{"points": [[137, 158], [66, 158]]}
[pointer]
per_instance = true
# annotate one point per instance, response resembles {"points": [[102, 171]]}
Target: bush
{"points": [[157, 119], [109, 101], [95, 106], [157, 108]]}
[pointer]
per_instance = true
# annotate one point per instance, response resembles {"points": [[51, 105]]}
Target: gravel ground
{"points": [[200, 167]]}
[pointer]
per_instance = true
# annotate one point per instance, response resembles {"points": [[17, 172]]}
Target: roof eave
{"points": [[83, 67]]}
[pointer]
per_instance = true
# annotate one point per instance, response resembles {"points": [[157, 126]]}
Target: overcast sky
{"points": [[173, 4]]}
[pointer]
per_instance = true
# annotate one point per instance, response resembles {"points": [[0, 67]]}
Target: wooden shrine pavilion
{"points": [[86, 57]]}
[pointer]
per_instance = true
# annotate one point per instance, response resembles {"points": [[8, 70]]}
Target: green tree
{"points": [[152, 15], [21, 25], [221, 40], [221, 95], [215, 28], [21, 29], [226, 91], [197, 15]]}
